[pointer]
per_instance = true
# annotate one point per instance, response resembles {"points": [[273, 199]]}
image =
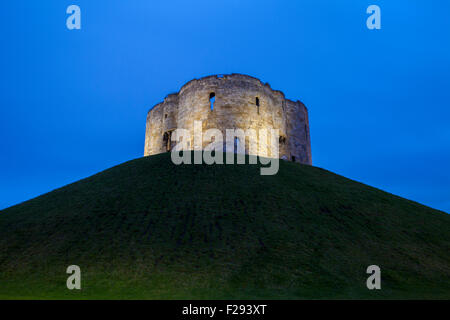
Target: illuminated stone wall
{"points": [[235, 107]]}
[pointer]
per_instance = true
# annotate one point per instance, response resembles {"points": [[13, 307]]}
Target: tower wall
{"points": [[236, 107]]}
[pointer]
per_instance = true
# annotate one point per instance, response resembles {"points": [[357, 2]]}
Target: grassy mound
{"points": [[153, 230]]}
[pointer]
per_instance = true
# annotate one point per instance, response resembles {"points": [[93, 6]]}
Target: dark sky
{"points": [[74, 102]]}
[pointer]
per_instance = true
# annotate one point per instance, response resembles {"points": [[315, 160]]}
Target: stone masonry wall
{"points": [[235, 107]]}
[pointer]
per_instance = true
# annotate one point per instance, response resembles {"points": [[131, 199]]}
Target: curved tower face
{"points": [[233, 101]]}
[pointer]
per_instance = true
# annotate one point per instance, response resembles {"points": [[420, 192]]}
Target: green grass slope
{"points": [[148, 229]]}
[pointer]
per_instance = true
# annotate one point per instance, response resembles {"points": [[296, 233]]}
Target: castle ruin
{"points": [[232, 101]]}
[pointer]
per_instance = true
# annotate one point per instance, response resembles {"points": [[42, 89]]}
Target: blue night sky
{"points": [[74, 102]]}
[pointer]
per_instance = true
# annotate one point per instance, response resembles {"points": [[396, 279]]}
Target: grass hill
{"points": [[150, 229]]}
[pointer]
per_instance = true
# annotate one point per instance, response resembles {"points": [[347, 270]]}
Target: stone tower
{"points": [[232, 101]]}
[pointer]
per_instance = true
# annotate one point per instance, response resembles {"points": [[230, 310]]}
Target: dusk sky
{"points": [[74, 102]]}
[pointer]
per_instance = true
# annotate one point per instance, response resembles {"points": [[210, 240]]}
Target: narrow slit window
{"points": [[212, 99], [257, 104], [167, 140]]}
